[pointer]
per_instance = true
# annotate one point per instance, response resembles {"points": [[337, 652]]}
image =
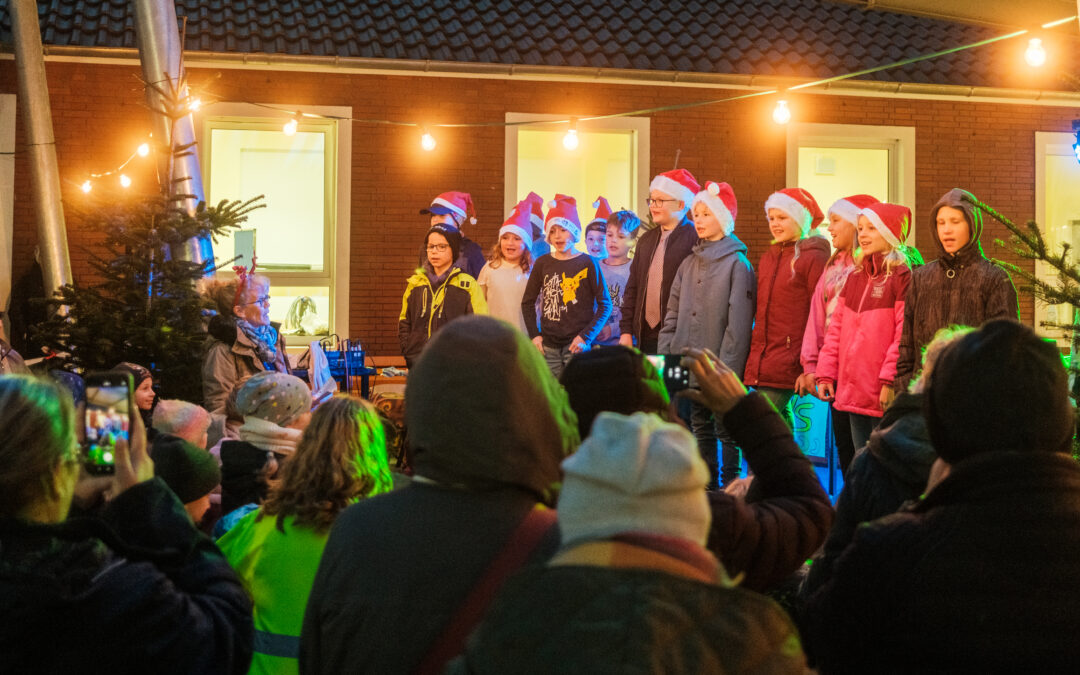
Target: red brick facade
{"points": [[98, 118]]}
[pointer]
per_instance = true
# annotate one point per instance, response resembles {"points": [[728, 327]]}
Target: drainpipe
{"points": [[160, 51], [44, 175]]}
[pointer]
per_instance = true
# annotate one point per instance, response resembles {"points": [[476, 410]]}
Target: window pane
{"points": [[1062, 226], [302, 310], [602, 165], [290, 171], [833, 173]]}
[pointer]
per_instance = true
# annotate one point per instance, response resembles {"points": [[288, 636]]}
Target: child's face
{"points": [[619, 242], [438, 252], [952, 229], [665, 209], [594, 243], [783, 227], [842, 233], [511, 246], [560, 239], [870, 238], [708, 226]]}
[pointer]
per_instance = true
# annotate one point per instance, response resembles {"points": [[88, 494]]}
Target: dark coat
{"points": [[679, 245], [590, 619], [786, 285], [786, 515], [139, 590], [980, 576], [961, 288], [426, 307]]}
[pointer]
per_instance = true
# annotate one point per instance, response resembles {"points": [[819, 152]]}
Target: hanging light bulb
{"points": [[1035, 55], [125, 182], [86, 187], [427, 141], [781, 114], [194, 104], [143, 150], [570, 140], [290, 127]]}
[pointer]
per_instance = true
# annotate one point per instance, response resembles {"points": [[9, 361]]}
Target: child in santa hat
{"points": [[623, 228], [506, 273], [858, 359], [456, 209], [596, 230], [574, 298], [786, 277]]}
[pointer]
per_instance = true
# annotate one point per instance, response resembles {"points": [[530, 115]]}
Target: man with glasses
{"points": [[659, 253], [454, 209]]}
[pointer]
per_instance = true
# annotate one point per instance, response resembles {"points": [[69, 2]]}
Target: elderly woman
{"points": [[137, 590]]}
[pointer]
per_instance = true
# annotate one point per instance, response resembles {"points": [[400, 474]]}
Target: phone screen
{"points": [[676, 377], [107, 420]]}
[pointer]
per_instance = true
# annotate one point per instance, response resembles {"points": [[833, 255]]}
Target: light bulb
{"points": [[194, 104], [125, 181], [143, 150], [427, 142], [290, 127], [781, 114], [1035, 55], [86, 187], [570, 140]]}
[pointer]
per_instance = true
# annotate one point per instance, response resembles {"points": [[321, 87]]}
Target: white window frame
{"points": [[899, 141], [641, 163], [7, 199], [337, 242], [1049, 143]]}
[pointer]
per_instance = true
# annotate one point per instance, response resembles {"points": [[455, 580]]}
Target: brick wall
{"points": [[98, 117]]}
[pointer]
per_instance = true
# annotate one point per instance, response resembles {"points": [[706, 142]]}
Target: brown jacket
{"points": [[230, 360], [960, 288]]}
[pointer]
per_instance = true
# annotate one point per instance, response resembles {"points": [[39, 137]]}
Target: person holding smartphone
{"points": [[135, 589]]}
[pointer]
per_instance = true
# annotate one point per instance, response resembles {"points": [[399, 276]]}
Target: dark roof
{"points": [[759, 37]]}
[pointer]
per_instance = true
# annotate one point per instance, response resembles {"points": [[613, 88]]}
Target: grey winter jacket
{"points": [[712, 303]]}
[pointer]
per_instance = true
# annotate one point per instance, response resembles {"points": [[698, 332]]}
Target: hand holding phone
{"points": [[107, 419], [676, 375], [720, 388]]}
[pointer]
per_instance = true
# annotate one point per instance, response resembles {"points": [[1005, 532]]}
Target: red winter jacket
{"points": [[782, 308], [863, 340]]}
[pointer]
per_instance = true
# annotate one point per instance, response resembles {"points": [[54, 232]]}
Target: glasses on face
{"points": [[262, 300], [438, 248], [658, 202]]}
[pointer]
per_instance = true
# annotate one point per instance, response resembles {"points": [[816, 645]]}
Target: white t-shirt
{"points": [[503, 287]]}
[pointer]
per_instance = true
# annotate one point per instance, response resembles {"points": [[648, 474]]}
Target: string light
{"points": [[125, 182], [781, 114], [194, 104], [143, 150], [86, 187], [427, 141], [1035, 55], [570, 140], [289, 128]]}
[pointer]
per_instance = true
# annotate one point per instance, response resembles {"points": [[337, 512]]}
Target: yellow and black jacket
{"points": [[427, 307]]}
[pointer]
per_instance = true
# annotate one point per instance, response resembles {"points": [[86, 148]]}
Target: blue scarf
{"points": [[265, 339]]}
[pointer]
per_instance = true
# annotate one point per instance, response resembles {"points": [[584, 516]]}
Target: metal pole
{"points": [[160, 50], [44, 175]]}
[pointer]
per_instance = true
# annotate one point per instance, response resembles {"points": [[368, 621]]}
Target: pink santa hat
{"points": [[536, 211], [680, 184], [848, 208], [518, 223], [720, 199], [563, 212], [453, 203], [799, 204], [893, 221]]}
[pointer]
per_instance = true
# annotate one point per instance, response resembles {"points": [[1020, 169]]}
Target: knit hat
{"points": [[71, 383], [458, 204], [680, 184], [536, 213], [616, 379], [274, 397], [518, 222], [1000, 388], [138, 373], [189, 471], [634, 474], [848, 208], [603, 212], [453, 237], [180, 418], [563, 212], [720, 199], [799, 204], [891, 220]]}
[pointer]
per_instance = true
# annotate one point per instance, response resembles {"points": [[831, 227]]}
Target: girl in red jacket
{"points": [[786, 278], [857, 364]]}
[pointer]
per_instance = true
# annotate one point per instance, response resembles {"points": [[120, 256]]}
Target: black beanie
{"points": [[1000, 388], [453, 237], [615, 379], [189, 471]]}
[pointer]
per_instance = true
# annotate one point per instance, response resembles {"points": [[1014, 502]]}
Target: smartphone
{"points": [[106, 419], [676, 377]]}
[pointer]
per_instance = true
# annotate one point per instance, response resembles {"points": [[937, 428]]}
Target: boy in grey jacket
{"points": [[711, 306]]}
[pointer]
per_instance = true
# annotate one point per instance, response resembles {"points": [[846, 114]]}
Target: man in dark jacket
{"points": [[488, 426], [657, 257], [960, 287], [980, 576]]}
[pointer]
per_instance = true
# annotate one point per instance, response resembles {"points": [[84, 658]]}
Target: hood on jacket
{"points": [[901, 441], [484, 412], [222, 328], [811, 243], [715, 250], [972, 214]]}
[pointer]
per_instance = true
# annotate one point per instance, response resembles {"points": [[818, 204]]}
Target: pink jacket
{"points": [[862, 342], [822, 304]]}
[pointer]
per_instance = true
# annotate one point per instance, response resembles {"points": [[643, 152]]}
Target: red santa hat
{"points": [[518, 223], [603, 211], [799, 204], [891, 220], [720, 199], [458, 204], [536, 213], [848, 208], [563, 212], [680, 184]]}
